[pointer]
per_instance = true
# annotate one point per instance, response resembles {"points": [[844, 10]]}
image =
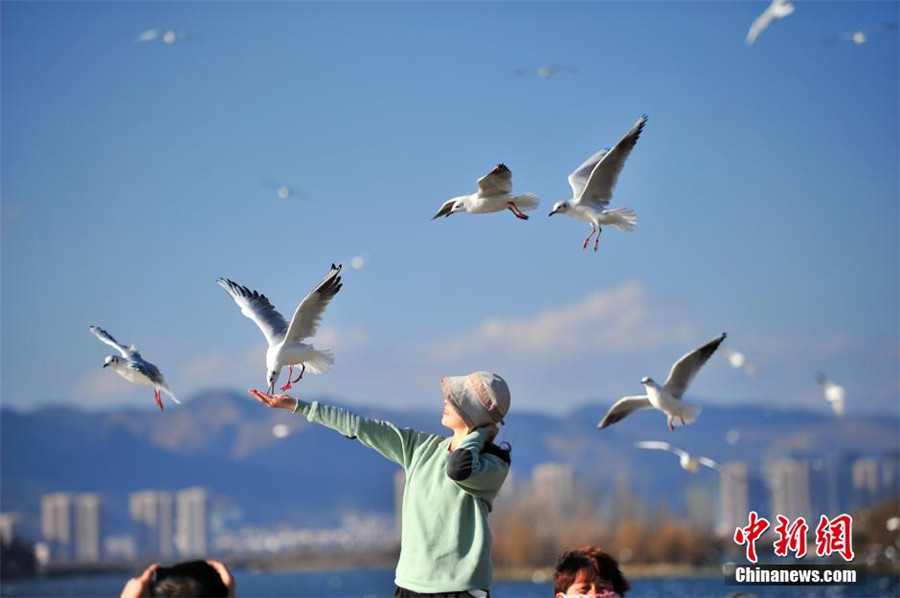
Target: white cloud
{"points": [[104, 387], [225, 369], [352, 339], [621, 320]]}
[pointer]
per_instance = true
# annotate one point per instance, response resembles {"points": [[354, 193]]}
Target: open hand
{"points": [[274, 401]]}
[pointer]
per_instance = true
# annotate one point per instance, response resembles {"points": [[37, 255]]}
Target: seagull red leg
{"points": [[300, 376], [671, 425], [588, 240], [515, 210], [158, 399], [597, 240]]}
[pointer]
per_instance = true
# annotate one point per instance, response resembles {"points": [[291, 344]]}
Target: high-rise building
{"points": [[700, 506], [71, 525], [9, 527], [866, 480], [554, 484], [789, 483], [56, 526], [192, 522], [88, 527], [152, 513], [890, 474], [840, 471], [734, 497]]}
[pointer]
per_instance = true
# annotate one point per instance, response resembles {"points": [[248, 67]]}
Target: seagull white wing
{"points": [[761, 22], [623, 408], [309, 313], [662, 446], [687, 367], [597, 192], [257, 307], [147, 36], [107, 338], [706, 461], [499, 180], [579, 177], [445, 209], [152, 373]]}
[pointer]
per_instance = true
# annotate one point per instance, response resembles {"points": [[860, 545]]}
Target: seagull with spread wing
{"points": [[667, 398], [834, 393], [687, 461], [778, 9], [133, 367], [494, 195], [860, 36], [285, 340], [592, 187], [545, 71]]}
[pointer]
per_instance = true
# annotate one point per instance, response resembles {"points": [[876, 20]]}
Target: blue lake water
{"points": [[379, 584]]}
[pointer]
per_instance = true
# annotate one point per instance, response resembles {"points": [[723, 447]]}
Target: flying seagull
{"points": [[167, 36], [493, 195], [688, 462], [668, 397], [834, 394], [858, 37], [133, 367], [546, 71], [285, 341], [777, 10], [739, 361], [592, 187]]}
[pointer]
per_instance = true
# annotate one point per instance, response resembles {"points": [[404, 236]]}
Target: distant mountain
{"points": [[225, 442]]}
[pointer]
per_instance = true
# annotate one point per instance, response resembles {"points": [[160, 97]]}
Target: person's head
{"points": [[192, 578], [588, 571], [479, 399]]}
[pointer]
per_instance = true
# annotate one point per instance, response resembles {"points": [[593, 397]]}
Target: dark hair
{"points": [[596, 566], [192, 578], [500, 451]]}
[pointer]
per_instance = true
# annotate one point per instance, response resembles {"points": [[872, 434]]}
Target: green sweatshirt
{"points": [[446, 542]]}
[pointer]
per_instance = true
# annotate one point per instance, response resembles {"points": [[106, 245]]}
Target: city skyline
{"points": [[72, 522]]}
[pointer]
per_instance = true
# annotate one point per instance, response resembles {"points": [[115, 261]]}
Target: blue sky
{"points": [[136, 174]]}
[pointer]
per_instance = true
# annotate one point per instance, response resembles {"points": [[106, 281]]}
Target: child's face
{"points": [[451, 419]]}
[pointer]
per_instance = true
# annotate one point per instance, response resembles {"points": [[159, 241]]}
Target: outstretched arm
{"points": [[394, 443]]}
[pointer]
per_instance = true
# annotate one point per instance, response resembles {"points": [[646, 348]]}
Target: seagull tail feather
{"points": [[621, 218], [166, 390], [689, 413], [526, 201], [319, 361]]}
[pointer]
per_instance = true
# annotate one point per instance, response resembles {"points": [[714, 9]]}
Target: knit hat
{"points": [[480, 398]]}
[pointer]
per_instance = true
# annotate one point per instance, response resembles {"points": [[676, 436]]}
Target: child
{"points": [[591, 572], [451, 482]]}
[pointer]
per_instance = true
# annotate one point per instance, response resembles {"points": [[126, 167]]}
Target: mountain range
{"points": [[224, 441]]}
